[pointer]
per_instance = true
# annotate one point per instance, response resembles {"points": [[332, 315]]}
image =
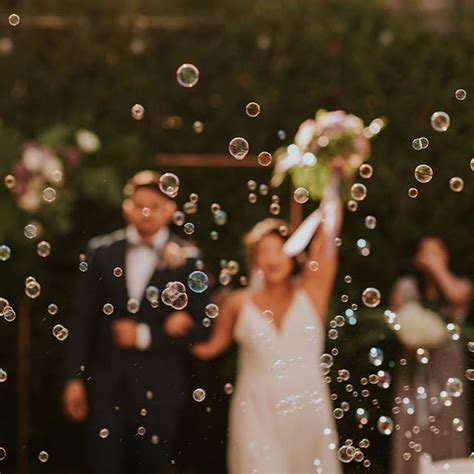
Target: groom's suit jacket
{"points": [[92, 353]]}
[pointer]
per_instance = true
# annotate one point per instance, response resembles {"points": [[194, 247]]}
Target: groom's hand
{"points": [[178, 323], [125, 333]]}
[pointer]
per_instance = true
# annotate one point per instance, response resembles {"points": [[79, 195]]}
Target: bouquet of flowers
{"points": [[320, 140]]}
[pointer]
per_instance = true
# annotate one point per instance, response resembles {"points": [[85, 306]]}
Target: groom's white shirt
{"points": [[141, 261]]}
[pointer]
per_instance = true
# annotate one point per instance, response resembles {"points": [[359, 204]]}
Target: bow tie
{"points": [[141, 243]]}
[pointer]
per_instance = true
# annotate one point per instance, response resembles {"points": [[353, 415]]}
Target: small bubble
{"points": [[49, 194], [3, 376], [460, 94], [413, 192], [358, 191], [252, 109], [137, 111], [60, 332], [104, 433], [264, 158], [30, 231], [371, 297], [14, 19], [301, 195], [239, 148], [370, 222], [187, 75], [366, 171], [52, 309], [199, 395], [169, 184], [118, 272], [440, 121], [43, 249], [423, 173], [420, 143], [456, 184], [108, 309], [43, 456]]}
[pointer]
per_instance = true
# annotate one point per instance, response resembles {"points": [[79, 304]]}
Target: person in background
{"points": [[431, 400], [126, 358]]}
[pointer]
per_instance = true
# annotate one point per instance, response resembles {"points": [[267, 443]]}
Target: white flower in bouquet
{"points": [[328, 136], [420, 327], [87, 141], [33, 159], [51, 164]]}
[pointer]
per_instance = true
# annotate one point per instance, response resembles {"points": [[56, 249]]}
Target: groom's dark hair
{"points": [[143, 179]]}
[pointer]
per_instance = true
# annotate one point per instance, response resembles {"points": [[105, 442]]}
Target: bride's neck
{"points": [[277, 289]]}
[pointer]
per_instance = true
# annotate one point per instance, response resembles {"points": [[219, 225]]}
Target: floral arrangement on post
{"points": [[318, 142], [37, 178]]}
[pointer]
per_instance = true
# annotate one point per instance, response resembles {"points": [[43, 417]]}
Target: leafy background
{"points": [[292, 58]]}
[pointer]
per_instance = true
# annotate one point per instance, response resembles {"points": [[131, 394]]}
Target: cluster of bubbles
{"points": [[175, 295], [6, 310], [32, 287], [420, 143], [348, 453], [60, 332]]}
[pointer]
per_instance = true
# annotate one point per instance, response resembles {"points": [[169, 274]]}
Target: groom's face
{"points": [[148, 210]]}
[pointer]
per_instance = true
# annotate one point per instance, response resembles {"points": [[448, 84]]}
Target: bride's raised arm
{"points": [[223, 330], [323, 249]]}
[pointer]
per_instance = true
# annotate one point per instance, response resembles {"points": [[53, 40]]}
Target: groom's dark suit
{"points": [[130, 388]]}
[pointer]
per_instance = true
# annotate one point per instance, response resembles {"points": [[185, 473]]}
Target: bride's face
{"points": [[271, 260]]}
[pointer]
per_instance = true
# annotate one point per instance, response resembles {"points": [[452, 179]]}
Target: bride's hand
{"points": [[200, 350]]}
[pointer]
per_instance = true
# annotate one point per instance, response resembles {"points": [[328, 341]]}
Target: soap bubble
{"points": [[14, 19], [454, 387], [30, 231], [423, 173], [49, 194], [3, 454], [456, 184], [118, 272], [199, 395], [301, 195], [9, 314], [358, 191], [460, 94], [137, 111], [220, 217], [108, 309], [133, 305], [179, 218], [152, 293], [3, 376], [264, 158], [420, 143], [5, 253], [187, 75], [371, 297], [385, 425], [413, 192], [9, 181], [212, 310], [228, 388], [43, 249], [238, 148], [169, 184], [338, 413], [252, 109], [469, 374], [104, 433], [83, 266], [198, 281], [370, 222], [180, 302], [60, 332], [440, 121], [52, 309], [43, 456], [188, 228], [366, 171]]}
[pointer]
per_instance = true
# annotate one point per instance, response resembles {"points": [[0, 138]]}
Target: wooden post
{"points": [[24, 343], [225, 161]]}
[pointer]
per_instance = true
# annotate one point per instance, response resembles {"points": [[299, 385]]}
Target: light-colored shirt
{"points": [[141, 261]]}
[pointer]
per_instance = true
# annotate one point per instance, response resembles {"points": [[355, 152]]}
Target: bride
{"points": [[281, 416]]}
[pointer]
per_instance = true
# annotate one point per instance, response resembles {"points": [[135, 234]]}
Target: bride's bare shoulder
{"points": [[235, 299]]}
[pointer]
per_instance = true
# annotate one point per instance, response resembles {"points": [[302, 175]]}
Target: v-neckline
{"points": [[278, 329]]}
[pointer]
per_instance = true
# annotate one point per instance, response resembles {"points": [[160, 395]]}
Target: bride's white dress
{"points": [[281, 416]]}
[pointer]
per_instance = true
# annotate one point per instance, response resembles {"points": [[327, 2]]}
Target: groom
{"points": [[127, 349]]}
